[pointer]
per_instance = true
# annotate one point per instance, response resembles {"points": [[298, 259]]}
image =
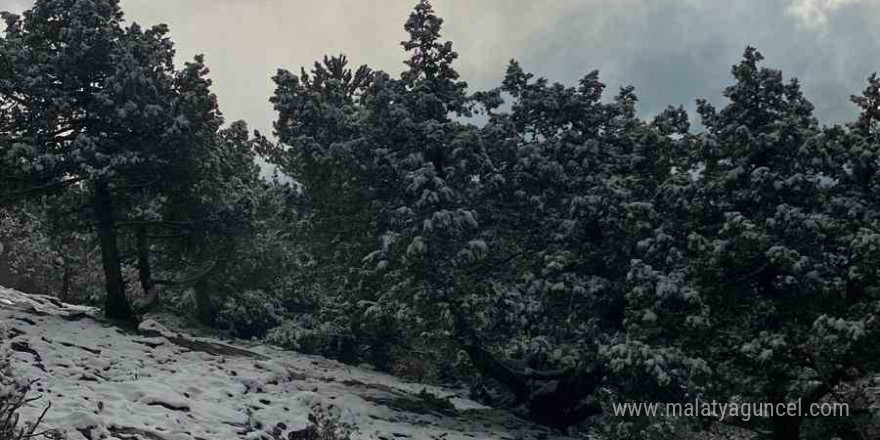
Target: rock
{"points": [[151, 329], [24, 347]]}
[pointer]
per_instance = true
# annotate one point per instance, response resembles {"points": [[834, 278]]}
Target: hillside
{"points": [[103, 382]]}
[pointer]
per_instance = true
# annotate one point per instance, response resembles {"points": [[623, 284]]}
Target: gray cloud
{"points": [[672, 51], [15, 6], [814, 13]]}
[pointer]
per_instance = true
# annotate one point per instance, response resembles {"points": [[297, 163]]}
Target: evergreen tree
{"points": [[756, 274], [508, 242], [89, 103]]}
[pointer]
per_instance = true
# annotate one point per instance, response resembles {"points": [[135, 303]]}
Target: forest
{"points": [[540, 244]]}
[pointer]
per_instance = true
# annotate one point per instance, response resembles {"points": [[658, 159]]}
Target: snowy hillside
{"points": [[103, 382]]}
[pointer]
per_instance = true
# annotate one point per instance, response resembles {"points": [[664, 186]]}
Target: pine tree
{"points": [[756, 276], [91, 104]]}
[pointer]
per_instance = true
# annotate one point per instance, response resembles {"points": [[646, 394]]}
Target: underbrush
{"points": [[15, 395], [251, 314], [323, 426]]}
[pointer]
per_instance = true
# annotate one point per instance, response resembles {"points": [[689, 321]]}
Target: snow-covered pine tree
{"points": [[92, 104], [759, 272]]}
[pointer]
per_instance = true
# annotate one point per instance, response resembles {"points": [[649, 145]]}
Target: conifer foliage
{"points": [[560, 256], [93, 106], [567, 246]]}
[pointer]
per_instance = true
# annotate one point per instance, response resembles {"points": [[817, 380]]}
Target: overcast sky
{"points": [[672, 51]]}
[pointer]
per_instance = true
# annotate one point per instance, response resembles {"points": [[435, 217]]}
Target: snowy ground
{"points": [[103, 382]]}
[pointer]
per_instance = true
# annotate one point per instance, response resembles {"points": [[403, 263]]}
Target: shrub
{"points": [[324, 426], [251, 314], [305, 334]]}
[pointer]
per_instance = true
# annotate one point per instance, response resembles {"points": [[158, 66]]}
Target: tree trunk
{"points": [[145, 271], [485, 362], [782, 427], [64, 295], [207, 310], [563, 403], [116, 305]]}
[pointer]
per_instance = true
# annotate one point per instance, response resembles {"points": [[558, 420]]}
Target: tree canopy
{"points": [[561, 252]]}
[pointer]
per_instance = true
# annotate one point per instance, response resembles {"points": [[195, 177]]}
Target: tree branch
{"points": [[189, 280]]}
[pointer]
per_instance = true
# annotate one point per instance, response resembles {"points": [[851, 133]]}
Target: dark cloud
{"points": [[672, 51]]}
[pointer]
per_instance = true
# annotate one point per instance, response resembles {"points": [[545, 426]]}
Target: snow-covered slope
{"points": [[104, 382]]}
